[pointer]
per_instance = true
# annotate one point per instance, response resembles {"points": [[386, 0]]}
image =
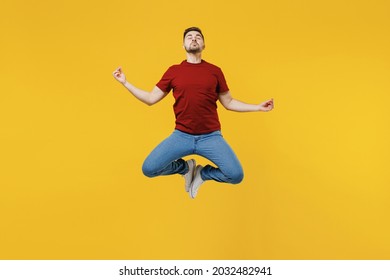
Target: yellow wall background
{"points": [[73, 141]]}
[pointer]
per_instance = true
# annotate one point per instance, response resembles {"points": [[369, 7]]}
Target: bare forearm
{"points": [[239, 106], [148, 98], [140, 94]]}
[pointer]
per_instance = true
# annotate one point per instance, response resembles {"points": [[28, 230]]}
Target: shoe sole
{"points": [[193, 175], [199, 167]]}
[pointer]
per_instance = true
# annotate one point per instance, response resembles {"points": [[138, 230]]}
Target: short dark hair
{"points": [[193, 28]]}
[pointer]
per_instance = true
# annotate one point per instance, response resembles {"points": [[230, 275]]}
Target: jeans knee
{"points": [[237, 177], [148, 170]]}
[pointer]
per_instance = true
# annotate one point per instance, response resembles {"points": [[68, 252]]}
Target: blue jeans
{"points": [[166, 158]]}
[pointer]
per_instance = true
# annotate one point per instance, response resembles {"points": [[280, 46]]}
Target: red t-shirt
{"points": [[195, 88]]}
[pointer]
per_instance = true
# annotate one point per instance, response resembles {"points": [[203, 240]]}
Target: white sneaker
{"points": [[196, 182], [190, 174]]}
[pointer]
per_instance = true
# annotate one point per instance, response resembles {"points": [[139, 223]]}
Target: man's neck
{"points": [[194, 58]]}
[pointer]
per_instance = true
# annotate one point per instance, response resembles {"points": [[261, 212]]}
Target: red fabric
{"points": [[195, 88]]}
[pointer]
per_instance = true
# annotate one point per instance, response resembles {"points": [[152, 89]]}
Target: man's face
{"points": [[193, 42]]}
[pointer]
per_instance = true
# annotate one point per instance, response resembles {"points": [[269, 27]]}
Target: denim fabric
{"points": [[166, 158]]}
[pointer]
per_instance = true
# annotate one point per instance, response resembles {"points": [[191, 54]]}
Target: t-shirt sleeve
{"points": [[222, 85], [165, 84]]}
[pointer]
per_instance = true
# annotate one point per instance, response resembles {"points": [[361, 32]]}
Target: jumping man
{"points": [[197, 86]]}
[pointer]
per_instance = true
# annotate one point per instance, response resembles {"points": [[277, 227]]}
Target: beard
{"points": [[193, 48]]}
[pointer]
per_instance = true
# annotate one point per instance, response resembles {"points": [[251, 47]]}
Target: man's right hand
{"points": [[119, 75]]}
